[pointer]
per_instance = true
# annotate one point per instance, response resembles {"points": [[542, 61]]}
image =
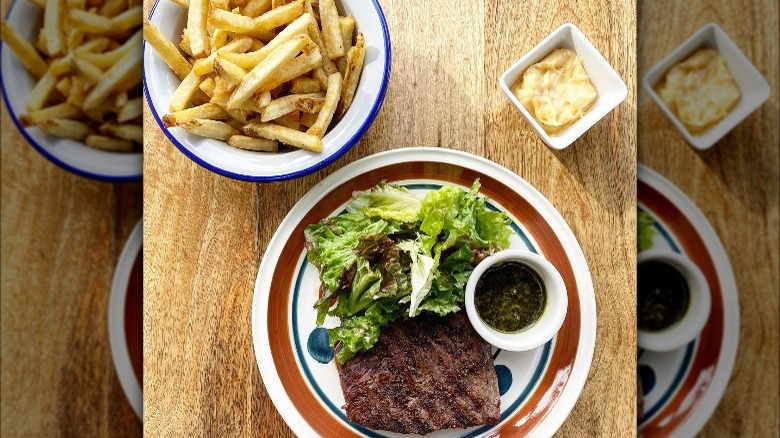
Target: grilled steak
{"points": [[424, 374]]}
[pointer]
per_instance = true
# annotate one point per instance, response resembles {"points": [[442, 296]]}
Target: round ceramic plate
{"points": [[125, 319], [682, 388], [160, 83], [72, 155], [538, 388]]}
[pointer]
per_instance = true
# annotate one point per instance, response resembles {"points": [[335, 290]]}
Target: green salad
{"points": [[644, 230], [394, 255]]}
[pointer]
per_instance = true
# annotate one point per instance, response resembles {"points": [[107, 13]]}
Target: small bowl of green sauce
{"points": [[673, 300], [516, 300]]}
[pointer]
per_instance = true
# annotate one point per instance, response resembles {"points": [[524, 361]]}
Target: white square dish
{"points": [[610, 87], [753, 87]]}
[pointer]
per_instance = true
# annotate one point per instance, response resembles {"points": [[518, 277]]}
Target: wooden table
{"points": [[205, 234], [61, 238], [736, 185]]}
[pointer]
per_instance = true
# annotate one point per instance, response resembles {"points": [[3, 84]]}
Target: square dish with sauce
{"points": [[609, 87]]}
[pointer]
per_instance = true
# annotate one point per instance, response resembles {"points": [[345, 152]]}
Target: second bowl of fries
{"points": [[264, 90], [71, 79]]}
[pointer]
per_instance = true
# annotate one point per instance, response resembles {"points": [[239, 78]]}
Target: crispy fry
{"points": [[109, 143], [329, 107], [285, 135], [287, 104], [63, 86], [88, 71], [53, 17], [125, 131], [41, 92], [253, 144], [256, 8], [280, 16], [234, 22], [251, 59], [167, 50], [290, 120], [228, 71], [97, 24], [205, 111], [23, 50], [65, 128], [302, 85], [218, 39], [61, 111], [121, 99], [316, 36], [128, 19], [331, 29], [321, 77], [131, 110], [107, 60], [209, 128], [75, 39], [197, 23], [183, 3], [205, 65], [347, 31], [110, 8], [297, 67], [123, 75], [355, 59], [76, 4], [184, 92], [184, 45], [265, 71], [308, 119], [207, 86]]}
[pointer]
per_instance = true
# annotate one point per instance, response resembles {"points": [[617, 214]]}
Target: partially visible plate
{"points": [[125, 319], [682, 388], [538, 388], [71, 155]]}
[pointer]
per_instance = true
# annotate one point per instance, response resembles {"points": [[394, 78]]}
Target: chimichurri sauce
{"points": [[662, 296], [510, 297]]}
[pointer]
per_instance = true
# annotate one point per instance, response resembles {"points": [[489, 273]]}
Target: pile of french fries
{"points": [[257, 73], [88, 64]]}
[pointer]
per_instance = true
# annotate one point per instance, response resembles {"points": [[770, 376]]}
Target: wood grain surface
{"points": [[61, 236], [736, 184], [205, 234]]}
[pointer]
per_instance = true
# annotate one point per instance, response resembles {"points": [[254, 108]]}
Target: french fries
{"points": [[30, 58], [257, 73], [355, 59], [167, 50], [329, 106], [87, 62]]}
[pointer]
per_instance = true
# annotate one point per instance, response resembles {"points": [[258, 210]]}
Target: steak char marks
{"points": [[424, 374]]}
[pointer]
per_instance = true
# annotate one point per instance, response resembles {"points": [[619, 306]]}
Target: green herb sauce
{"points": [[662, 296], [510, 297]]}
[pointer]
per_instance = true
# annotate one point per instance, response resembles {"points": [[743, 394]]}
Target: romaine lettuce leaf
{"points": [[645, 230], [438, 209], [423, 270], [331, 242], [386, 201], [361, 332]]}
